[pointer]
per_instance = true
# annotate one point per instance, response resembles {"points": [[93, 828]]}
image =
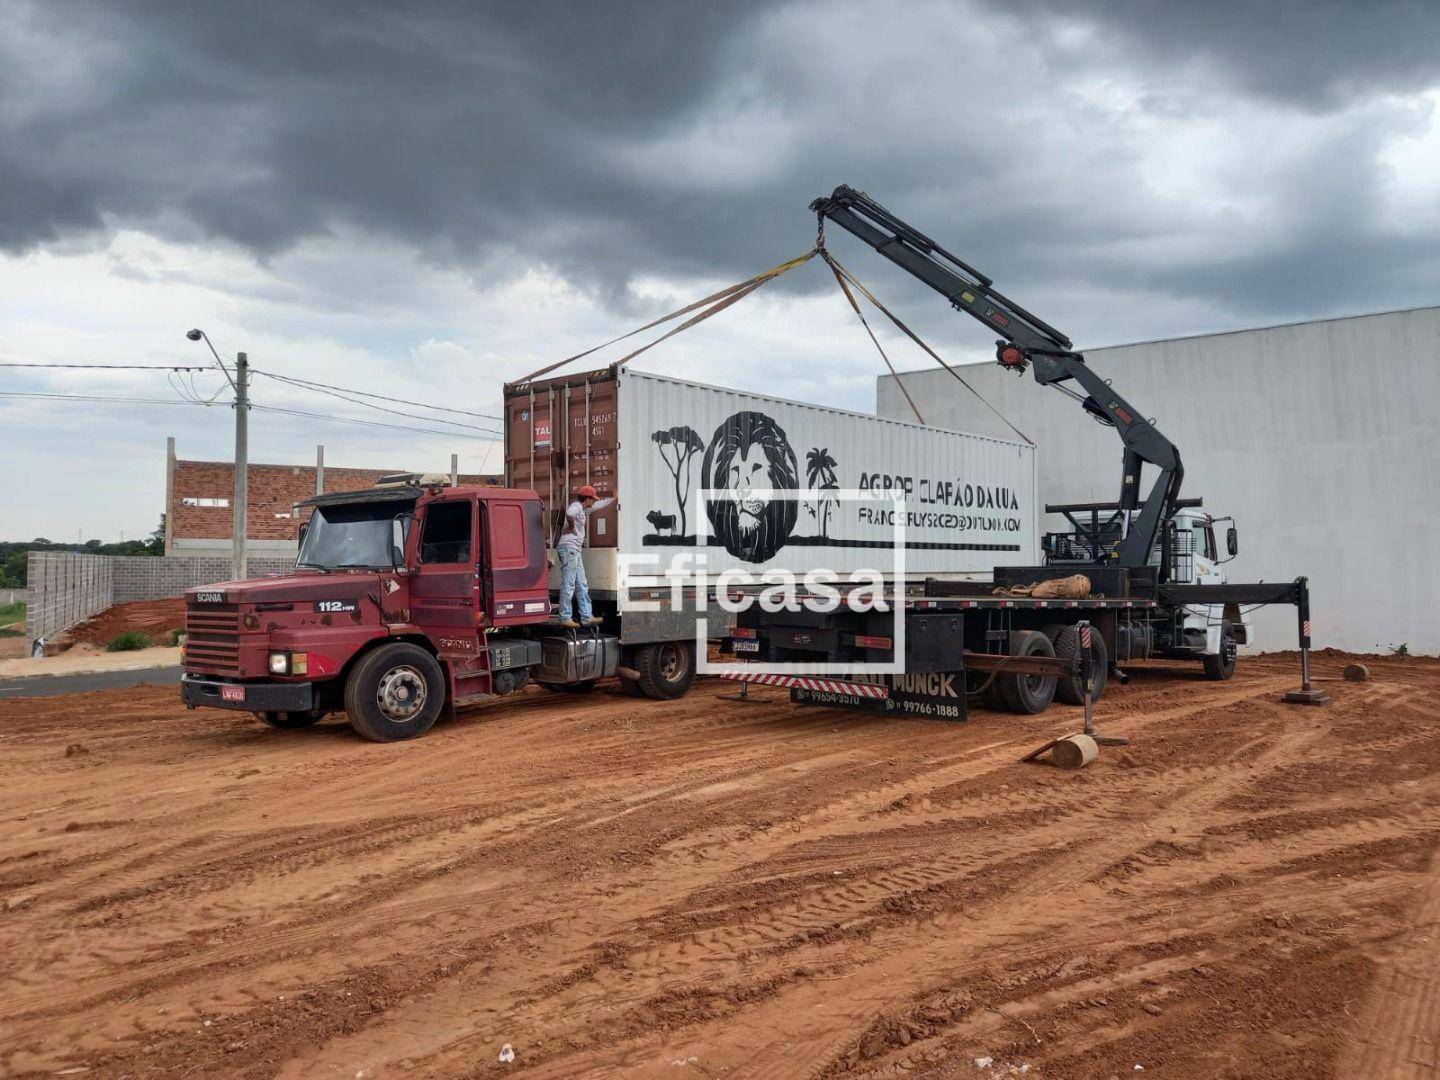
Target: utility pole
{"points": [[241, 385], [238, 569]]}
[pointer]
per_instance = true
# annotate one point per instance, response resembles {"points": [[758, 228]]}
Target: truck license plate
{"points": [[232, 693], [746, 646]]}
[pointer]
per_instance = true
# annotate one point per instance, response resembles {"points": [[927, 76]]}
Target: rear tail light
{"points": [[744, 632], [869, 642]]}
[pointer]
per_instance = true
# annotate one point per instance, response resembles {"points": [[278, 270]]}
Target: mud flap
{"points": [[934, 695]]}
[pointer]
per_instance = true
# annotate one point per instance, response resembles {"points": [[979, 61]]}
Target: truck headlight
{"points": [[288, 663]]}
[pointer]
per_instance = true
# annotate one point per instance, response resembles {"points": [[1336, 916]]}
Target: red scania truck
{"points": [[407, 599]]}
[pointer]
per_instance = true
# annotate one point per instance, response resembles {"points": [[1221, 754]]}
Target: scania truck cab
{"points": [[407, 600]]}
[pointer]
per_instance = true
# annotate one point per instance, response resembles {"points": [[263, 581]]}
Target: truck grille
{"points": [[212, 638]]}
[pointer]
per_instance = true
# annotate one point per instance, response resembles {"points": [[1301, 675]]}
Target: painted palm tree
{"points": [[820, 474]]}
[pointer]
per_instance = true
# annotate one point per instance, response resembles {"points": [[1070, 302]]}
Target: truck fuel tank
{"points": [[578, 657]]}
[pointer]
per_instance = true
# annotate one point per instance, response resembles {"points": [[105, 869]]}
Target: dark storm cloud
{"points": [[606, 140], [1313, 53]]}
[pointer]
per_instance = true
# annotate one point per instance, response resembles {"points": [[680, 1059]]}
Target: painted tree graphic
{"points": [[682, 443], [820, 473]]}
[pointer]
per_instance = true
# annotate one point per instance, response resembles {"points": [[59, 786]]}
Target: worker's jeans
{"points": [[573, 583]]}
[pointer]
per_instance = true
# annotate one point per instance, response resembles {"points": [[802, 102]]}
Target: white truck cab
{"points": [[1196, 557]]}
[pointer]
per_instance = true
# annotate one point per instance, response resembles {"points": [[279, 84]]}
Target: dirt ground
{"points": [[154, 617], [616, 887]]}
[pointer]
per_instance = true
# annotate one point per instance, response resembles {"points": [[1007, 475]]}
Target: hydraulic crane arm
{"points": [[1028, 342]]}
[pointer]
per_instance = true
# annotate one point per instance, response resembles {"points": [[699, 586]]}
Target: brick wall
{"points": [[273, 491], [64, 588]]}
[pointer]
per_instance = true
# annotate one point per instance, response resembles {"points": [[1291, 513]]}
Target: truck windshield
{"points": [[361, 535]]}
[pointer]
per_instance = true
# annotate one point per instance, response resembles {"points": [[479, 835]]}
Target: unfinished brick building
{"points": [[198, 494]]}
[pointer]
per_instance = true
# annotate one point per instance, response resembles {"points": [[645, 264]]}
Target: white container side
{"points": [[969, 499]]}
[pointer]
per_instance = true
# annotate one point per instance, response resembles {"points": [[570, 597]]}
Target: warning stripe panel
{"points": [[807, 682]]}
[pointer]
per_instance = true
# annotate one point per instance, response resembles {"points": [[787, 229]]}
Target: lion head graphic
{"points": [[749, 458]]}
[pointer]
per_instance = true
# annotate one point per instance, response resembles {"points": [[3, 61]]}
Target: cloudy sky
{"points": [[424, 200]]}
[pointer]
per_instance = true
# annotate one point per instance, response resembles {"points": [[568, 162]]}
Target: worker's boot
{"points": [[570, 623], [594, 620]]}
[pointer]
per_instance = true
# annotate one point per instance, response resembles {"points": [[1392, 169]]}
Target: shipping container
{"points": [[653, 443]]}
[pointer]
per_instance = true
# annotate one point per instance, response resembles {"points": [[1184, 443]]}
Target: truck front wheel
{"points": [[395, 692], [666, 669], [1222, 666]]}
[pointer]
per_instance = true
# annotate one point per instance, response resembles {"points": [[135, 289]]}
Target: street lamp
{"points": [[241, 385]]}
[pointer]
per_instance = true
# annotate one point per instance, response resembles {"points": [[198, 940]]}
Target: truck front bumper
{"points": [[263, 696]]}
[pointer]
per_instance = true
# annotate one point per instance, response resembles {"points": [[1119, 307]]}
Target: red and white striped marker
{"points": [[803, 682]]}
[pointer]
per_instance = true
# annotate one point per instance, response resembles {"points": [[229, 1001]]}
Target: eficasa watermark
{"points": [[735, 589]]}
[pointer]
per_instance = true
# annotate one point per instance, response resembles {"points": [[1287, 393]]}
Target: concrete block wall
{"points": [[151, 577], [9, 596], [64, 588]]}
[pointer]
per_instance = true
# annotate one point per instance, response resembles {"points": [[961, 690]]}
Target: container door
{"points": [[591, 442], [561, 434], [445, 587], [532, 446]]}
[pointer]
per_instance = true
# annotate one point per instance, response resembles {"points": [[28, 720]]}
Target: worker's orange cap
{"points": [[586, 492]]}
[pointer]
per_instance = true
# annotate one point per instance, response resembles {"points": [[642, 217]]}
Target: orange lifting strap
{"points": [[731, 294]]}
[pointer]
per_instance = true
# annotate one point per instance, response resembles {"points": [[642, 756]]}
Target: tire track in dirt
{"points": [[1398, 1036], [668, 887], [774, 932]]}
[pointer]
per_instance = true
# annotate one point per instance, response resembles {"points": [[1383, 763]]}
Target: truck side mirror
{"points": [[300, 540], [397, 541], [1232, 541]]}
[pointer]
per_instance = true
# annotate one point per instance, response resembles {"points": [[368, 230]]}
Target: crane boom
{"points": [[1028, 342]]}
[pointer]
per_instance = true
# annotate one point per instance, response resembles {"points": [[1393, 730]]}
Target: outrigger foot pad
{"points": [[1306, 697]]}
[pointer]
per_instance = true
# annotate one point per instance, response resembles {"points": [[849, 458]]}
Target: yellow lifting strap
{"points": [[845, 275], [844, 288], [716, 301]]}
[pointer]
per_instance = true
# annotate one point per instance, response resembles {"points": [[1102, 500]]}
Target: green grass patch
{"points": [[129, 641]]}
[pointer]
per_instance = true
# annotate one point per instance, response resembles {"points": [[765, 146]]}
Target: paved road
{"points": [[50, 685]]}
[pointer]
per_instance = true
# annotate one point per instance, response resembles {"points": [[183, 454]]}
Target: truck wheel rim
{"points": [[401, 693], [672, 662]]}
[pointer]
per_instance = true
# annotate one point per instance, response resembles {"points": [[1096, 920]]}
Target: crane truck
{"points": [[1150, 557]]}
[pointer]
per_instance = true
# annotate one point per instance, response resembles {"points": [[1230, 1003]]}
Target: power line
{"points": [[377, 397], [99, 397], [316, 388], [319, 387], [365, 423], [108, 367], [262, 408]]}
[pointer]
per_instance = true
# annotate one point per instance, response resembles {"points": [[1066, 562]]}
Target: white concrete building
{"points": [[1321, 438]]}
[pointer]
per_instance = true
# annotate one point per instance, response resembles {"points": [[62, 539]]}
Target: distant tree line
{"points": [[14, 555]]}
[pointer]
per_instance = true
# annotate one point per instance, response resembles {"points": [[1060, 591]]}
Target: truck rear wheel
{"points": [[1066, 640], [1027, 694], [1222, 666], [288, 721], [666, 669], [395, 692]]}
